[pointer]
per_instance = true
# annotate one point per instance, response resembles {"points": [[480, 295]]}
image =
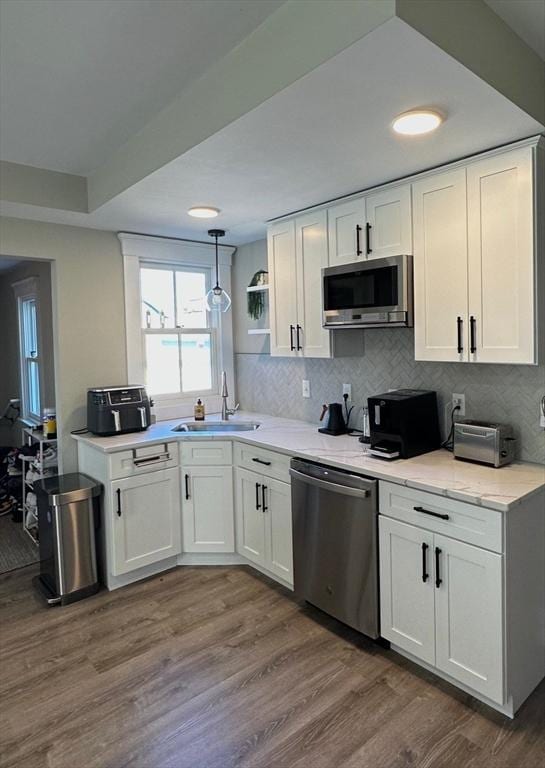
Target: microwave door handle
{"points": [[117, 421], [377, 415]]}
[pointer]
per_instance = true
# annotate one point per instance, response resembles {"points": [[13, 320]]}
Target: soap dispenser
{"points": [[198, 410]]}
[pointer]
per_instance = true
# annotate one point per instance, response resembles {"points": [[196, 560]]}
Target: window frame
{"points": [[143, 251], [210, 330], [28, 290]]}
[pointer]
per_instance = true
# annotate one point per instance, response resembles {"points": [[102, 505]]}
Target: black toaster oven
{"points": [[117, 410]]}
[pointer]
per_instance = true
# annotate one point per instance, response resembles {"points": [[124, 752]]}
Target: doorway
{"points": [[28, 448]]}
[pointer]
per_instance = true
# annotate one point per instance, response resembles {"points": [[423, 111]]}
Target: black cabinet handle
{"points": [[187, 486], [292, 346], [425, 574], [438, 579], [358, 246], [368, 248], [263, 491], [473, 335], [257, 504], [299, 329], [459, 322], [118, 492], [260, 461], [433, 514]]}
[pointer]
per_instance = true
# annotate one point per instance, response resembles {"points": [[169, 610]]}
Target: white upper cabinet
{"points": [[311, 252], [346, 232], [283, 288], [501, 258], [440, 267], [389, 223]]}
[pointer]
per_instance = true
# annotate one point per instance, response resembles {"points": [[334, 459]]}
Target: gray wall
{"points": [[88, 317], [509, 393], [9, 340], [248, 260]]}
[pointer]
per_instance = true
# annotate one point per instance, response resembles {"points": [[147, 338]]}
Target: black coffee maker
{"points": [[336, 425]]}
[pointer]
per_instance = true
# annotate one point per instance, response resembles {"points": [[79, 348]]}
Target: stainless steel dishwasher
{"points": [[335, 543]]}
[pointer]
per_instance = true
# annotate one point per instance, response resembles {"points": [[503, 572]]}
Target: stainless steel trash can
{"points": [[68, 519]]}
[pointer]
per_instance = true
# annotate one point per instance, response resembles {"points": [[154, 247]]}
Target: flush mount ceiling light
{"points": [[417, 121], [203, 212], [217, 300]]}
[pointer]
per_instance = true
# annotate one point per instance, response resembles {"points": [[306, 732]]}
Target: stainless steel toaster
{"points": [[484, 442]]}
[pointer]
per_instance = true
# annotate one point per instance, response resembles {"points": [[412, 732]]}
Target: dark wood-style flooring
{"points": [[218, 667]]}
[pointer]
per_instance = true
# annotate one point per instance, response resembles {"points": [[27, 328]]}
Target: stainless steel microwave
{"points": [[369, 294]]}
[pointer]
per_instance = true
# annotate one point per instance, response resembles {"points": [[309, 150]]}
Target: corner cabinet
{"points": [[475, 261]]}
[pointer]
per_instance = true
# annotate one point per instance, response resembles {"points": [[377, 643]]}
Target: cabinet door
{"points": [[282, 288], [250, 516], [406, 588], [277, 497], [207, 509], [390, 223], [501, 257], [346, 232], [440, 267], [311, 249], [146, 519], [468, 608]]}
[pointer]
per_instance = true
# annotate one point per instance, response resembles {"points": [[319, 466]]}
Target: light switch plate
{"points": [[306, 388]]}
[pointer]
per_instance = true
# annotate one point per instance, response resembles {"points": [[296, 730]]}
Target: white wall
{"points": [[88, 312]]}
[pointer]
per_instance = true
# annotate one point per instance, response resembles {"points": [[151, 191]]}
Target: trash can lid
{"points": [[64, 489]]}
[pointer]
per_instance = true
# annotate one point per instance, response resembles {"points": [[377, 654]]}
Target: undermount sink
{"points": [[216, 426]]}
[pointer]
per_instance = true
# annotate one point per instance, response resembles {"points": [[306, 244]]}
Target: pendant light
{"points": [[217, 300]]}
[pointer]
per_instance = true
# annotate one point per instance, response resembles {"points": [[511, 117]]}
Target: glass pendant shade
{"points": [[217, 300]]}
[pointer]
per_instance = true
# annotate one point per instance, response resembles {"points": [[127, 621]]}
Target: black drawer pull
{"points": [[260, 461], [433, 514], [459, 322], [425, 574], [187, 486], [263, 491], [358, 246], [118, 492], [438, 579], [257, 504]]}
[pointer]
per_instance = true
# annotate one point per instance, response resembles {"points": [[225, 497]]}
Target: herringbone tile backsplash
{"points": [[507, 393]]}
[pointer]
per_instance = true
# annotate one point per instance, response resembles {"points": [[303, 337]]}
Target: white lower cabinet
{"points": [[441, 600], [263, 517], [207, 509], [145, 520]]}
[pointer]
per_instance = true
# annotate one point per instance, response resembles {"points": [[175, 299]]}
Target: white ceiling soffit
{"points": [[325, 136], [105, 67], [526, 18]]}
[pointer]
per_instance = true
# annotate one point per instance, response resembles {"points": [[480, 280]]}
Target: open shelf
{"points": [[259, 331], [255, 288]]}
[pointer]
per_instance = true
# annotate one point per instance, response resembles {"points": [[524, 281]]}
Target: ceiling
{"points": [[78, 78], [526, 18], [325, 136]]}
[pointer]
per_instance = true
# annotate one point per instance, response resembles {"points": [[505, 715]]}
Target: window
{"points": [[27, 308], [179, 346]]}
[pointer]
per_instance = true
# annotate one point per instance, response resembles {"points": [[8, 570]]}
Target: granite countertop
{"points": [[439, 472]]}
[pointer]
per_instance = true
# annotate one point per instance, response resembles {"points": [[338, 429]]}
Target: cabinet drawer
{"points": [[206, 453], [268, 463], [465, 522], [143, 459]]}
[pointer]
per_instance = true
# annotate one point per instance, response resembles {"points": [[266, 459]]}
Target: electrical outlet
{"points": [[542, 412], [460, 401], [347, 390], [306, 388]]}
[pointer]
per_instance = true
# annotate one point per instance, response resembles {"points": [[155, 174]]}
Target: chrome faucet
{"points": [[225, 411]]}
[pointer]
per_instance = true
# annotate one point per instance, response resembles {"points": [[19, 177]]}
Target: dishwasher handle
{"points": [[358, 493]]}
